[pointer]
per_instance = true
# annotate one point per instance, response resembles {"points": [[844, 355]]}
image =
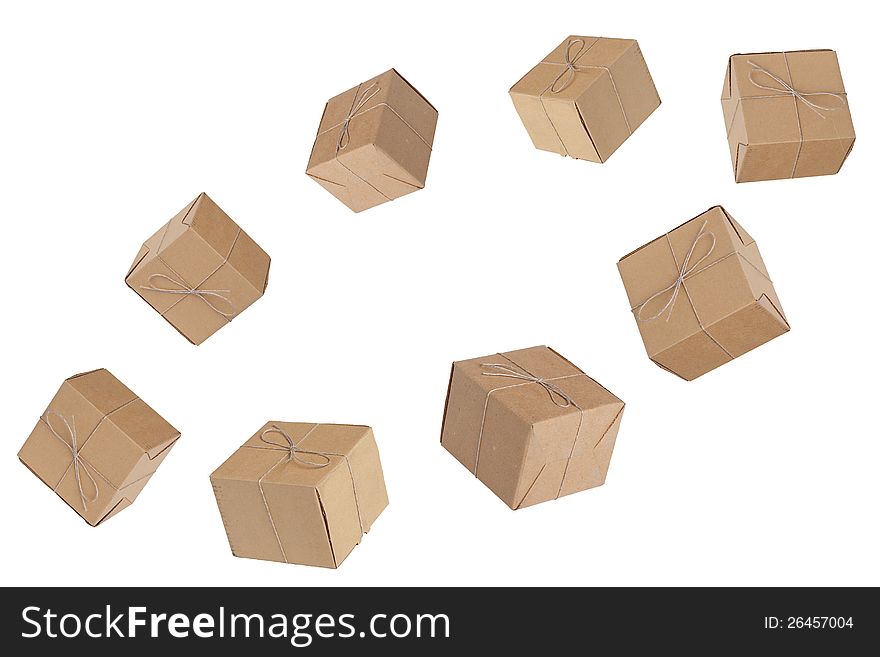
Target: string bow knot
{"points": [[365, 97], [293, 452], [80, 473], [675, 288], [570, 65], [557, 395], [183, 288], [785, 88]]}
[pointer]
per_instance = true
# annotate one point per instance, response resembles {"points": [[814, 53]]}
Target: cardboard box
{"points": [[301, 493], [530, 425], [200, 270], [786, 115], [701, 295], [586, 97], [374, 142], [97, 445]]}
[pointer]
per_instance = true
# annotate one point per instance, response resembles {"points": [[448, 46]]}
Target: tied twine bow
{"points": [[293, 452], [569, 63], [557, 395], [366, 96], [785, 89], [80, 473], [182, 288], [675, 288]]}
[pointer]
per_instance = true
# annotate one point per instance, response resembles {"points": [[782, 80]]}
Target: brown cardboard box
{"points": [[374, 142], [786, 115], [586, 97], [301, 493], [200, 270], [97, 445], [701, 295], [530, 425]]}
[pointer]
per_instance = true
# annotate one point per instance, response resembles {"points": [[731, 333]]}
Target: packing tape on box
{"points": [[556, 394], [783, 88], [294, 454], [569, 72], [78, 463], [360, 100]]}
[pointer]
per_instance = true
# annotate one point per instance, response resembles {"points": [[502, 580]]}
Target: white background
{"points": [[115, 116]]}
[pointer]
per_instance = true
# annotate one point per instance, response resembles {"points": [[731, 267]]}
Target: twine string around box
{"points": [[558, 396], [358, 108], [181, 287], [575, 49], [783, 88], [687, 269], [184, 289], [80, 473], [293, 453]]}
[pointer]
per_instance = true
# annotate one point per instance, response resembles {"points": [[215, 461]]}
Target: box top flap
{"points": [[132, 415], [102, 390], [145, 427], [213, 225]]}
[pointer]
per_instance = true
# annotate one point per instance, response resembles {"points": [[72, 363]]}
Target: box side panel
{"points": [[603, 116], [536, 122], [251, 261], [342, 177], [366, 467], [339, 507], [304, 525], [145, 428], [243, 510], [692, 357], [464, 412], [635, 85], [766, 161], [823, 157], [749, 327]]}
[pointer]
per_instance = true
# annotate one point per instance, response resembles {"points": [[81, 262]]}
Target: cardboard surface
{"points": [[586, 97], [306, 500], [97, 445], [530, 441], [200, 270], [786, 115], [374, 142], [723, 306]]}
